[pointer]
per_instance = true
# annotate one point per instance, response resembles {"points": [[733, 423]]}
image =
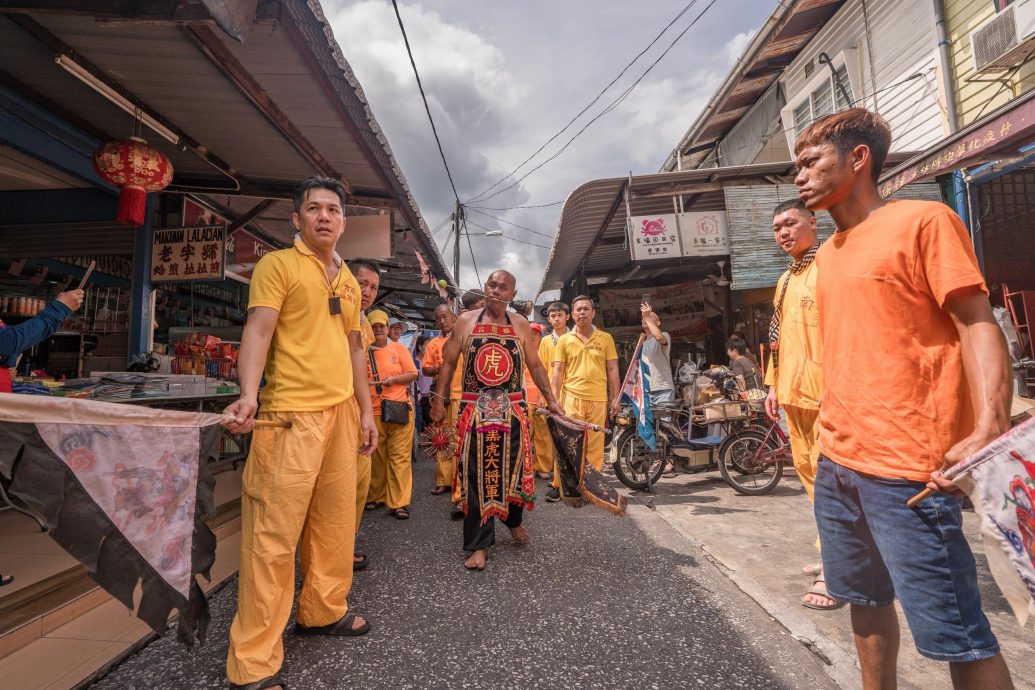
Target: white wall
{"points": [[903, 43]]}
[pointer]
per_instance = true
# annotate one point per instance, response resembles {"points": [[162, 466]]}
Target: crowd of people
{"points": [[898, 405]]}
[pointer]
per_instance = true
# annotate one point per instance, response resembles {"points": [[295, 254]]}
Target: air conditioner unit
{"points": [[1005, 40]]}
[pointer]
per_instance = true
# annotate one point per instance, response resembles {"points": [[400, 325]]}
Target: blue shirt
{"points": [[15, 340]]}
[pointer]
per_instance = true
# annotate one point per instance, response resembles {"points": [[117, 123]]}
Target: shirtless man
{"points": [[499, 481]]}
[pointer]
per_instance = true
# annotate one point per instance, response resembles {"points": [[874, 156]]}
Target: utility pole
{"points": [[457, 221]]}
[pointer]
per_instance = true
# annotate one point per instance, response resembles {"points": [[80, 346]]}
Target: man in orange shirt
{"points": [[444, 319], [542, 444], [915, 380]]}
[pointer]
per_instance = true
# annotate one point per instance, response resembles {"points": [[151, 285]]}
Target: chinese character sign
{"points": [[654, 237], [704, 233], [196, 253]]}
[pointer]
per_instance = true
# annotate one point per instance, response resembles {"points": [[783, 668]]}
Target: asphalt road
{"points": [[594, 601]]}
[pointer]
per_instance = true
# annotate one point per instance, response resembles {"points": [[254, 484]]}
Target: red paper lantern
{"points": [[136, 169]]}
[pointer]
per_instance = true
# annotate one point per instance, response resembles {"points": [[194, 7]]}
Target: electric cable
{"points": [[522, 227]]}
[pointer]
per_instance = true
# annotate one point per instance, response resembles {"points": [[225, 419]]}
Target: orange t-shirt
{"points": [[532, 394], [433, 358], [894, 395], [392, 360]]}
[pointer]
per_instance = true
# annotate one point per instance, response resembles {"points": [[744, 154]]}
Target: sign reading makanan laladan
{"points": [[671, 235], [196, 253]]}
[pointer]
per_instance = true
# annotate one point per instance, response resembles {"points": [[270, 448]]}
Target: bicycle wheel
{"points": [[632, 459], [749, 464]]}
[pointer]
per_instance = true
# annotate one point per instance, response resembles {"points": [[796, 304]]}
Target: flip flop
{"points": [[361, 564], [400, 514], [822, 593], [270, 682], [812, 570], [669, 472], [340, 628], [373, 505]]}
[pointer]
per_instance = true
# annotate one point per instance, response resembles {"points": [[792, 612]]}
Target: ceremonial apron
{"points": [[494, 446]]}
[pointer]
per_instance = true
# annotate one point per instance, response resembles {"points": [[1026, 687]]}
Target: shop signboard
{"points": [[654, 237], [704, 233], [243, 251], [682, 309], [186, 254]]}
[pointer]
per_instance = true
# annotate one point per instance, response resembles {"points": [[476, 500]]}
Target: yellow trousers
{"points": [[362, 486], [594, 412], [298, 482], [803, 428], [542, 443], [444, 468], [391, 467]]}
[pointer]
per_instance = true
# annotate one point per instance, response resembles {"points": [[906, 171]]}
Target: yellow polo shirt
{"points": [[585, 363], [308, 365], [799, 378]]}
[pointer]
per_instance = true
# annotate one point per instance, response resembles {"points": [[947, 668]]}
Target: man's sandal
{"points": [[6, 579], [341, 628], [812, 570], [821, 593], [439, 490], [400, 514], [271, 682], [373, 505], [361, 564]]}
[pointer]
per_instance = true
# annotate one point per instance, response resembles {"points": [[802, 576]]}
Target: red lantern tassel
{"points": [[132, 206]]}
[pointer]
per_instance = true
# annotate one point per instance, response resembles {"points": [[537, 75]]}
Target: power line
{"points": [[614, 104], [522, 227], [427, 109], [591, 104], [512, 208], [463, 219]]}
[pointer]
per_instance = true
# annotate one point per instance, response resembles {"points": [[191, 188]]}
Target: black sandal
{"points": [[341, 628], [271, 682], [401, 513], [373, 505], [361, 564], [6, 580]]}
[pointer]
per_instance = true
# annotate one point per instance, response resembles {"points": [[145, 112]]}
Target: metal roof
{"points": [[591, 230], [787, 31], [253, 118]]}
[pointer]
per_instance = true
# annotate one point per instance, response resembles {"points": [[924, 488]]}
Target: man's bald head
{"points": [[444, 318], [501, 275]]}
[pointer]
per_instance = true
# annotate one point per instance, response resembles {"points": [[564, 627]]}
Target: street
{"points": [[594, 601]]}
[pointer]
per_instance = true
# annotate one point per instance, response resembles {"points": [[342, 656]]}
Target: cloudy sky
{"points": [[503, 76]]}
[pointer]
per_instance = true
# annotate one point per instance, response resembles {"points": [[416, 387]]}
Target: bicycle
{"points": [[752, 460]]}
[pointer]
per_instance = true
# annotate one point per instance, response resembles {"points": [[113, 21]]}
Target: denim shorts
{"points": [[875, 546]]}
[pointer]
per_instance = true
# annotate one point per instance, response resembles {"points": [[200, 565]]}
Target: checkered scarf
{"points": [[796, 267]]}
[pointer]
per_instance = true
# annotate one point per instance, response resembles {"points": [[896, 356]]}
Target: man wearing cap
{"points": [[368, 275], [391, 370]]}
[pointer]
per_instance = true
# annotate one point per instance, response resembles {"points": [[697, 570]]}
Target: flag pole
{"points": [[632, 360]]}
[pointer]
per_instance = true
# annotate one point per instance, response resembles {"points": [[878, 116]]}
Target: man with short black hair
{"points": [[299, 483], [368, 276], [915, 379], [585, 380], [795, 371], [557, 314]]}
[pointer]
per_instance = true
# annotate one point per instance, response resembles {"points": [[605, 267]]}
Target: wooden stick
{"points": [[919, 497], [86, 276], [577, 422]]}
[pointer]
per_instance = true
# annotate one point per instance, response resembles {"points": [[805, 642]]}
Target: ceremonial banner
{"points": [[123, 490], [580, 481], [1000, 481], [636, 392]]}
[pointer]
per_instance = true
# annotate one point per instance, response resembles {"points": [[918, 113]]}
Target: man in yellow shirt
{"points": [[368, 276], [444, 319], [557, 314], [585, 380], [303, 329], [794, 374]]}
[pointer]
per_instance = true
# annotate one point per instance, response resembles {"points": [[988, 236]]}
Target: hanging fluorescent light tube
{"points": [[85, 76]]}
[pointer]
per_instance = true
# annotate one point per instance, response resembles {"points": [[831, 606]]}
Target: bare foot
{"points": [[520, 534], [476, 561]]}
